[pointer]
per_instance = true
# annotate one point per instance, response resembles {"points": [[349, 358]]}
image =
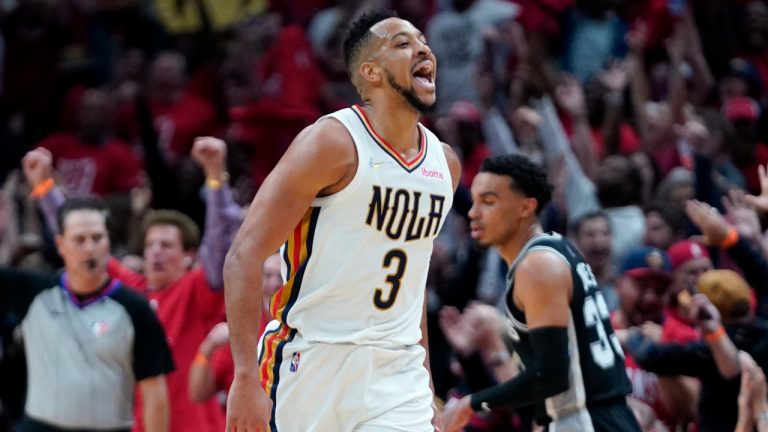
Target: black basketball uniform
{"points": [[596, 397]]}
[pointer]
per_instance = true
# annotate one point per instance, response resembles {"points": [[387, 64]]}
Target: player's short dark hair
{"points": [[526, 176], [88, 203], [359, 34], [190, 233]]}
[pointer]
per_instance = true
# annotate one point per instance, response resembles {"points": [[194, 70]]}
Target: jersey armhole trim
{"points": [[517, 323], [347, 190], [548, 249]]}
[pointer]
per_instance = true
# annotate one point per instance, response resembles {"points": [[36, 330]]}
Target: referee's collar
{"points": [[108, 287]]}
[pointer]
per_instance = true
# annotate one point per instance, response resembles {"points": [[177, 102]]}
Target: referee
{"points": [[88, 339]]}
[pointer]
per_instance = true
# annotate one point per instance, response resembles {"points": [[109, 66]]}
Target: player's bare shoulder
{"points": [[453, 164], [326, 136], [543, 272], [326, 148]]}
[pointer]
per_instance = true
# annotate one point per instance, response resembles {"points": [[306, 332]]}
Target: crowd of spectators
{"points": [[648, 115]]}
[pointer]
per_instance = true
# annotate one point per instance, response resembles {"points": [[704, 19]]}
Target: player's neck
{"points": [[396, 123], [511, 249]]}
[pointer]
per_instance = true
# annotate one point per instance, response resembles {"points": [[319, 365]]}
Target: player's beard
{"points": [[409, 94]]}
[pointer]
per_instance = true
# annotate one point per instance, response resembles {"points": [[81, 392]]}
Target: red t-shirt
{"points": [[760, 62], [188, 309], [667, 159], [659, 22], [472, 162], [645, 388], [645, 385], [750, 170], [176, 124], [676, 329], [543, 15], [290, 73], [223, 363], [266, 128], [629, 142], [85, 169]]}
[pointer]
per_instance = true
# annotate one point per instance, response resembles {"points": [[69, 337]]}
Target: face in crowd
{"points": [[272, 279], [642, 298], [165, 259], [593, 238]]}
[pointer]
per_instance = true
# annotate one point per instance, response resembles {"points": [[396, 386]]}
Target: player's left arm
{"points": [[543, 287], [453, 164], [425, 343], [455, 167]]}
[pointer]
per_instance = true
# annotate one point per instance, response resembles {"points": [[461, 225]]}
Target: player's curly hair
{"points": [[526, 176], [359, 34]]}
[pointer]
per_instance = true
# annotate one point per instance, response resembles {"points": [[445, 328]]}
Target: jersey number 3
{"points": [[394, 279], [596, 315]]}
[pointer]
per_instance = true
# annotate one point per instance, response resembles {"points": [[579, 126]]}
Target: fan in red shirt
{"points": [[753, 36], [689, 260], [643, 289], [291, 85], [178, 115], [188, 299], [747, 151], [90, 160], [213, 369]]}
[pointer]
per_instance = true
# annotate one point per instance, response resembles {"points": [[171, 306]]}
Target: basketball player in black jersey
{"points": [[573, 364]]}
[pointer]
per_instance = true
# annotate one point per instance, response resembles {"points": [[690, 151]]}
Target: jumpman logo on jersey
{"points": [[377, 164]]}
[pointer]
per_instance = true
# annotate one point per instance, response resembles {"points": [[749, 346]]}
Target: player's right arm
{"points": [[320, 161], [543, 287]]}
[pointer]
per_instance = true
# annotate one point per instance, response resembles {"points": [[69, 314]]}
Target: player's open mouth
{"points": [[475, 232], [424, 74]]}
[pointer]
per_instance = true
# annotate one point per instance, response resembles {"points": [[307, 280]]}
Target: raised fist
{"points": [[38, 166], [211, 154]]}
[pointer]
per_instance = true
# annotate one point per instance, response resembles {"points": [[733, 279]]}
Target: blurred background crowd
{"points": [[648, 116]]}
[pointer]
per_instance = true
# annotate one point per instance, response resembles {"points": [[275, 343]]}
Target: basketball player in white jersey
{"points": [[356, 201]]}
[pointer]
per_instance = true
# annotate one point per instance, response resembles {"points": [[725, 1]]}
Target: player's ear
{"points": [[530, 205], [370, 72], [58, 240]]}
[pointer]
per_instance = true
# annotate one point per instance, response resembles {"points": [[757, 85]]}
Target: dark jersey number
{"points": [[394, 279]]}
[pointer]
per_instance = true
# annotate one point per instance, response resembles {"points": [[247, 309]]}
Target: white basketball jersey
{"points": [[356, 265]]}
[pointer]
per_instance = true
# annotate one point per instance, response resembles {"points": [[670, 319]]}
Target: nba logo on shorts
{"points": [[295, 362]]}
